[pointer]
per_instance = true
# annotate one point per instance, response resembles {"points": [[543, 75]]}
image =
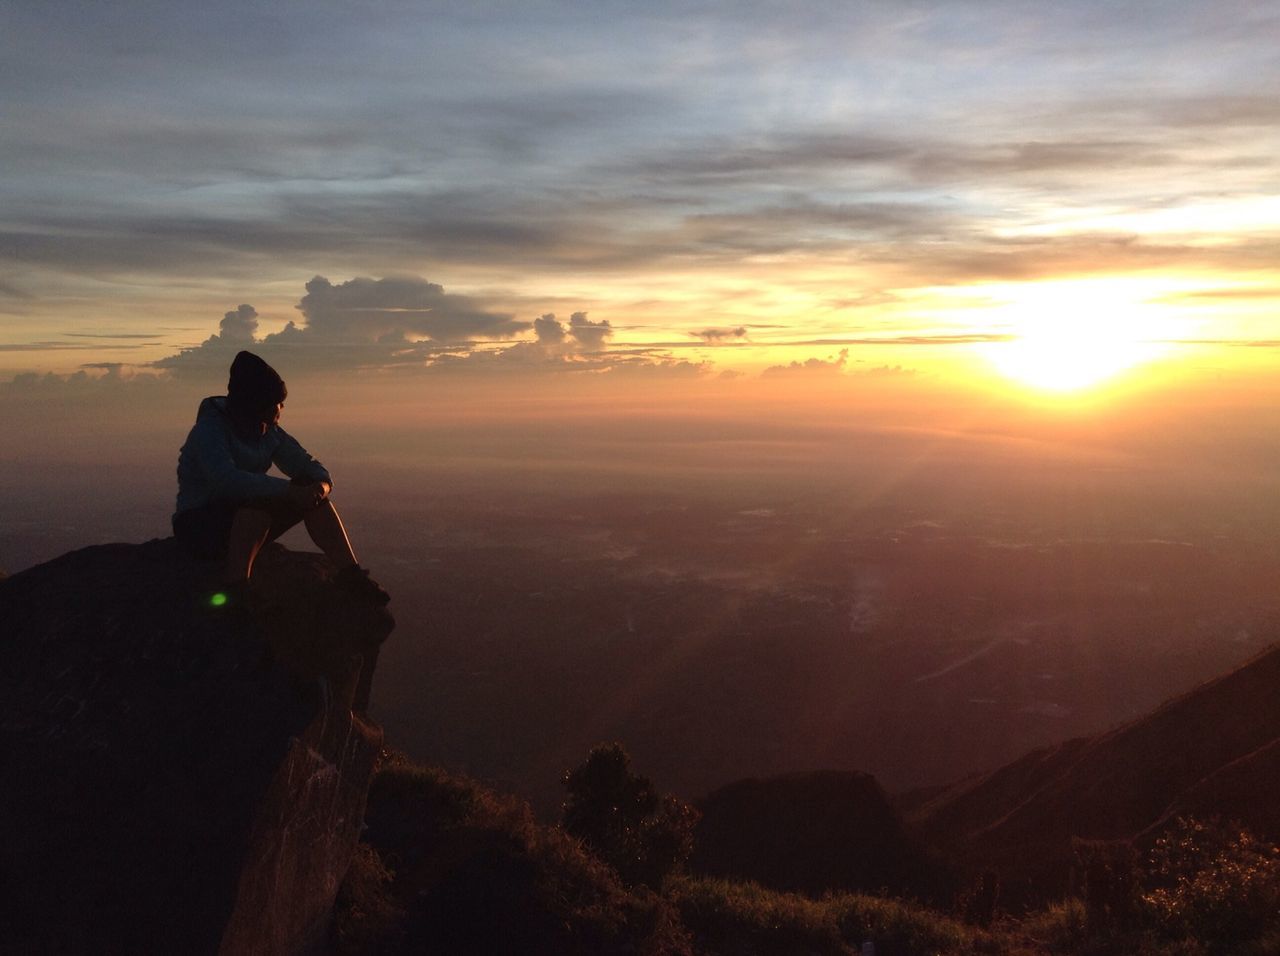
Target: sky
{"points": [[1051, 194]]}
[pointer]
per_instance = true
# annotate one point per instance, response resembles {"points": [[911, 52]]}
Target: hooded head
{"points": [[254, 390]]}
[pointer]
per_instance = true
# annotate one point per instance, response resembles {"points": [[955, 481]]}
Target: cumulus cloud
{"points": [[363, 322], [237, 330], [408, 323], [548, 329], [587, 333], [833, 365], [367, 308], [240, 325]]}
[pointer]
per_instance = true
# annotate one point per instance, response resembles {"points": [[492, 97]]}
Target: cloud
{"points": [[587, 333], [548, 329], [719, 336], [408, 324], [934, 339], [834, 365], [691, 142], [239, 326], [98, 378], [1243, 293], [1233, 343], [112, 335], [11, 291], [885, 371], [63, 347], [919, 159], [1217, 111], [365, 308], [360, 323], [237, 330]]}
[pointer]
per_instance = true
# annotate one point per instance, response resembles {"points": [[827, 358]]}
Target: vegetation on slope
{"points": [[452, 867], [449, 866]]}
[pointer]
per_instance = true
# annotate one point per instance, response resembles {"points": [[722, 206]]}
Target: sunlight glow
{"points": [[1071, 335]]}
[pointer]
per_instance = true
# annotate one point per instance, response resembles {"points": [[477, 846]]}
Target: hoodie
{"points": [[215, 463]]}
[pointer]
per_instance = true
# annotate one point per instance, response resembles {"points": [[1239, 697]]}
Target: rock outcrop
{"points": [[179, 777]]}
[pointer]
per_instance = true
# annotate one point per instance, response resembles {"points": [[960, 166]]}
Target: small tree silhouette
{"points": [[620, 817]]}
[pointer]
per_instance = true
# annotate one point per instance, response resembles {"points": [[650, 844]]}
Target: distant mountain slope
{"points": [[1244, 789], [1214, 749]]}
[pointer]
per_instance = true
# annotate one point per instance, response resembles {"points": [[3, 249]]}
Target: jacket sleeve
{"points": [[212, 449], [292, 459]]}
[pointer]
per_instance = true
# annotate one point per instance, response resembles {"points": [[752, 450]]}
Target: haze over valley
{"points": [[730, 596]]}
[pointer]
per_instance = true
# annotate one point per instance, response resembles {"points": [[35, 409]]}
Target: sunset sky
{"points": [[771, 385], [1055, 193]]}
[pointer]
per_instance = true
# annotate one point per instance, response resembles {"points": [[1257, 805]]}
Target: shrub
{"points": [[452, 867], [366, 916], [1215, 883], [899, 928], [731, 918], [620, 817], [1062, 927]]}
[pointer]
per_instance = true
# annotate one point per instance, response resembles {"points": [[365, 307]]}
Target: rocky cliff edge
{"points": [[179, 777]]}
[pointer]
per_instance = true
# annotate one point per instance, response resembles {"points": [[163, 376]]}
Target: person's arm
{"points": [[292, 459], [211, 446]]}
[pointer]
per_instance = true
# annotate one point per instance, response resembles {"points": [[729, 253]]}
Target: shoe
{"points": [[356, 582]]}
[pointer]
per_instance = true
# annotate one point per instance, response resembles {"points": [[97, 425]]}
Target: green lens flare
{"points": [[218, 599]]}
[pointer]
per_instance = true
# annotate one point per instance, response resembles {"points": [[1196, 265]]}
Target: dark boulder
{"points": [[812, 833], [179, 777]]}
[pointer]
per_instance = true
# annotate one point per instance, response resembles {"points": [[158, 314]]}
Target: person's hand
{"points": [[310, 495]]}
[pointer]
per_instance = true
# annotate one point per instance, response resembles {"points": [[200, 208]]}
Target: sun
{"points": [[1067, 359], [1071, 336]]}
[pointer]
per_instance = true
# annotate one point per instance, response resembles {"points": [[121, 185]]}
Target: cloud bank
{"points": [[409, 324]]}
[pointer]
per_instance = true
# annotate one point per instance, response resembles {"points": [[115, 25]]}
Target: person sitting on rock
{"points": [[229, 507]]}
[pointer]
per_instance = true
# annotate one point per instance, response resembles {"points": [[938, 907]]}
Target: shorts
{"points": [[205, 531]]}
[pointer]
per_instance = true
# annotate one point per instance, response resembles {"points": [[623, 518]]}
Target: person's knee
{"points": [[324, 507], [251, 520]]}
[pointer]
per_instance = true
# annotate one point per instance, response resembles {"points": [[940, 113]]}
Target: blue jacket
{"points": [[216, 463]]}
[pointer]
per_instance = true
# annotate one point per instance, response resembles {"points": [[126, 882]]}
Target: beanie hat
{"points": [[253, 385]]}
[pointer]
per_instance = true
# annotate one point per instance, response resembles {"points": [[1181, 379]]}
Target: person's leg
{"points": [[249, 530], [326, 530]]}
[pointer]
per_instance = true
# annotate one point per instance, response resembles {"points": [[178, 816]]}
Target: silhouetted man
{"points": [[229, 507]]}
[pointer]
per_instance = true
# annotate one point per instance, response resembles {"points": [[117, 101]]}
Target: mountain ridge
{"points": [[1222, 736]]}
